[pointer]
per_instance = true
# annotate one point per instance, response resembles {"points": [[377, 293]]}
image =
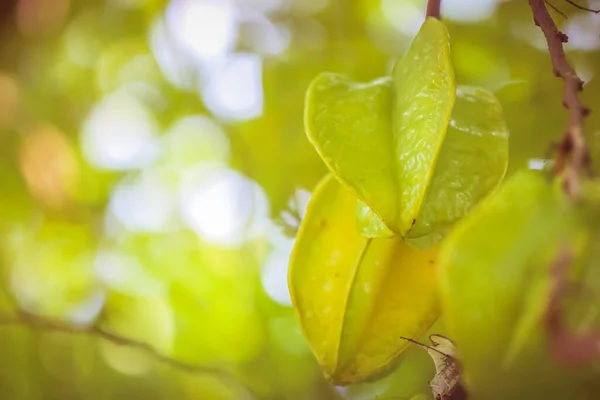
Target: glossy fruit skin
{"points": [[472, 161], [357, 297], [369, 224], [424, 94], [418, 152], [350, 126], [471, 164], [409, 155]]}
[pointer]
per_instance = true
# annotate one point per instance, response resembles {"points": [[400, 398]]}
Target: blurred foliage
{"points": [[154, 161]]}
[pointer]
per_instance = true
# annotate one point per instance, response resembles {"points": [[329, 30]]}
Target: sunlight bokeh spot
{"points": [[195, 138], [263, 36], [206, 28], [125, 62], [583, 31], [274, 277], [278, 236], [140, 68], [468, 10], [405, 17], [126, 360], [48, 164], [174, 63], [54, 278], [145, 202], [89, 309], [125, 273], [120, 134], [235, 91], [536, 163], [296, 208], [222, 206], [147, 94]]}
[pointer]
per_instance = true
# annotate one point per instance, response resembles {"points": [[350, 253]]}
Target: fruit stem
{"points": [[433, 8]]}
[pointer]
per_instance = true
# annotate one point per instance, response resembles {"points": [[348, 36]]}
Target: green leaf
{"points": [[386, 141], [355, 296], [494, 272]]}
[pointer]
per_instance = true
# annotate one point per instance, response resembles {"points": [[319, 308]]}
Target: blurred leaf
{"points": [[489, 264], [49, 166], [356, 296]]}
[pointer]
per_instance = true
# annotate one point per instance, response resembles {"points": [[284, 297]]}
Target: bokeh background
{"points": [[154, 169]]}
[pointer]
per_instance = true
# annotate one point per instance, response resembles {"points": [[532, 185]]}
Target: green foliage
{"points": [[496, 288], [488, 282]]}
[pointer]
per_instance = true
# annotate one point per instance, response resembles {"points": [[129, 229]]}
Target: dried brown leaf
{"points": [[445, 385]]}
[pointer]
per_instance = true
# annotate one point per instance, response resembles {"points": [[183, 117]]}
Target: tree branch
{"points": [[573, 155], [433, 8], [22, 319], [572, 159]]}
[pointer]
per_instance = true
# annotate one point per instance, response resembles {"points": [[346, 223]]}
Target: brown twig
{"points": [[22, 319], [571, 2], [433, 8], [573, 155], [425, 346]]}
